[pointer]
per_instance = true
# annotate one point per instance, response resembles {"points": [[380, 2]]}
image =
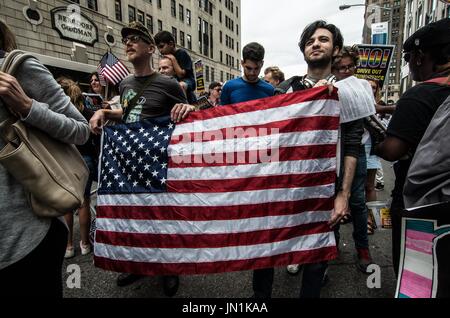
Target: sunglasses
{"points": [[133, 38]]}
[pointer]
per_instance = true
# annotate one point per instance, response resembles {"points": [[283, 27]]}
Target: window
{"points": [[221, 76], [211, 42], [118, 8], [237, 29], [237, 12], [159, 4], [220, 16], [221, 57], [189, 42], [175, 35], [140, 17], [210, 8], [182, 43], [160, 26], [150, 23], [213, 76], [92, 4], [173, 8], [207, 73], [220, 37], [181, 12], [188, 16], [131, 14]]}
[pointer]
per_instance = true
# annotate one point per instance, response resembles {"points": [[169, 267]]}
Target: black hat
{"points": [[433, 34], [136, 27]]}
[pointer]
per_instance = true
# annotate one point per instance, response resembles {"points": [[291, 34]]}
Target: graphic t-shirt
{"points": [[157, 99]]}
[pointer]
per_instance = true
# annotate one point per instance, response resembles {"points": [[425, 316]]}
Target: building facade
{"points": [[391, 11], [84, 30], [419, 13]]}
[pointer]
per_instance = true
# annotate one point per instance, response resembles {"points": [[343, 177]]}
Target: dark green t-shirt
{"points": [[156, 100]]}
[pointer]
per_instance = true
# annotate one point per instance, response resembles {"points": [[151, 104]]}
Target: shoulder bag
{"points": [[52, 172]]}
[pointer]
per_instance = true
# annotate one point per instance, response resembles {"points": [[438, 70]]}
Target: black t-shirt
{"points": [[157, 99], [413, 114], [185, 62]]}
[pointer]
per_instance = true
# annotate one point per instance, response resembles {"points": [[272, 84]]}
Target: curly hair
{"points": [[347, 51], [72, 90]]}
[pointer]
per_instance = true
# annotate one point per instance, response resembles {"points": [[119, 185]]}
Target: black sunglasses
{"points": [[134, 38]]}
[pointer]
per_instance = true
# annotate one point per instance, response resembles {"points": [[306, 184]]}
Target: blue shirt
{"points": [[238, 91]]}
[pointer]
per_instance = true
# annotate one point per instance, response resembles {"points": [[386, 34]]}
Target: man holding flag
{"points": [[145, 94]]}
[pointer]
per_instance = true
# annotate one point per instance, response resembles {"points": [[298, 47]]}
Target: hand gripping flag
{"points": [[112, 69], [231, 188]]}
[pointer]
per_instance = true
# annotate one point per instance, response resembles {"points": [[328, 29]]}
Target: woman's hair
{"points": [[378, 83], [7, 38], [347, 51], [72, 90], [90, 86]]}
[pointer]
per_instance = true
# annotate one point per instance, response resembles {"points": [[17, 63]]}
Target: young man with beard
{"points": [[249, 86], [320, 43], [159, 96]]}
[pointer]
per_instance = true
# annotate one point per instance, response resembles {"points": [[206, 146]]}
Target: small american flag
{"points": [[112, 69], [230, 188]]}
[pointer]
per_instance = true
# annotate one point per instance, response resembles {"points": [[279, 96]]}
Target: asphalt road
{"points": [[345, 280]]}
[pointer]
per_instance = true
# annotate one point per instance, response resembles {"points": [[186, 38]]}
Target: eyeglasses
{"points": [[218, 89], [346, 68], [133, 38]]}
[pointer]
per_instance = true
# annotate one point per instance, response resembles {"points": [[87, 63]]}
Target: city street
{"points": [[345, 280]]}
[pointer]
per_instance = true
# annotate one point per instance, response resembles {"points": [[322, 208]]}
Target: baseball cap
{"points": [[136, 27], [433, 34]]}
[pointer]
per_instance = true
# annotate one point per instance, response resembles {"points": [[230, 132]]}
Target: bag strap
{"points": [[439, 80], [132, 103], [13, 60]]}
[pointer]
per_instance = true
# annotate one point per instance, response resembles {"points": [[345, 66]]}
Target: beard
{"points": [[319, 63]]}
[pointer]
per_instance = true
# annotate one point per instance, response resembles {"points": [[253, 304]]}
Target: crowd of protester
{"points": [[60, 108]]}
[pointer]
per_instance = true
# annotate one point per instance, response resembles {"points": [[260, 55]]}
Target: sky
{"points": [[278, 24]]}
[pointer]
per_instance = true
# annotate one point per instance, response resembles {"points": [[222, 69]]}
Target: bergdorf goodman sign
{"points": [[71, 24]]}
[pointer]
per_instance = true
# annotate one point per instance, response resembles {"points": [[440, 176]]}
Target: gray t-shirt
{"points": [[157, 99], [21, 230]]}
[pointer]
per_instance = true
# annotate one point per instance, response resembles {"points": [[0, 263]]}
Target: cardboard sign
{"points": [[199, 76], [374, 61]]}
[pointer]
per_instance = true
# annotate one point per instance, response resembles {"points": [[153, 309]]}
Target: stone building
{"points": [[72, 36]]}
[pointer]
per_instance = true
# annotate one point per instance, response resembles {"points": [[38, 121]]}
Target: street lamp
{"points": [[346, 6]]}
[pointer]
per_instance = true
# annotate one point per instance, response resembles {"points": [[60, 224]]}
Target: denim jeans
{"points": [[357, 204]]}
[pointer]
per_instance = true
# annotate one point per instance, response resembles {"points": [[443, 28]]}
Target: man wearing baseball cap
{"points": [[144, 94], [428, 53]]}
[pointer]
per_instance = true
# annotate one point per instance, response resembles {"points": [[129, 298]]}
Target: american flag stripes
{"points": [[112, 69], [231, 188]]}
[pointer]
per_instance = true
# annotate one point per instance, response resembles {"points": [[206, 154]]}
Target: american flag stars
{"points": [[134, 157]]}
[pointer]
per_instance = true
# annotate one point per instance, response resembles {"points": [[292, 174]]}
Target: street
{"points": [[346, 281]]}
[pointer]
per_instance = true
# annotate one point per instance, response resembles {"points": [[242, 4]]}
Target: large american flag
{"points": [[112, 69], [231, 188]]}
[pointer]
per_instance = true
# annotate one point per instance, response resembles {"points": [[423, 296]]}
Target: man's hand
{"points": [[97, 122], [13, 95], [340, 208], [180, 111], [324, 82]]}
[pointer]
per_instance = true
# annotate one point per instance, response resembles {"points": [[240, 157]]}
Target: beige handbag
{"points": [[52, 172]]}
